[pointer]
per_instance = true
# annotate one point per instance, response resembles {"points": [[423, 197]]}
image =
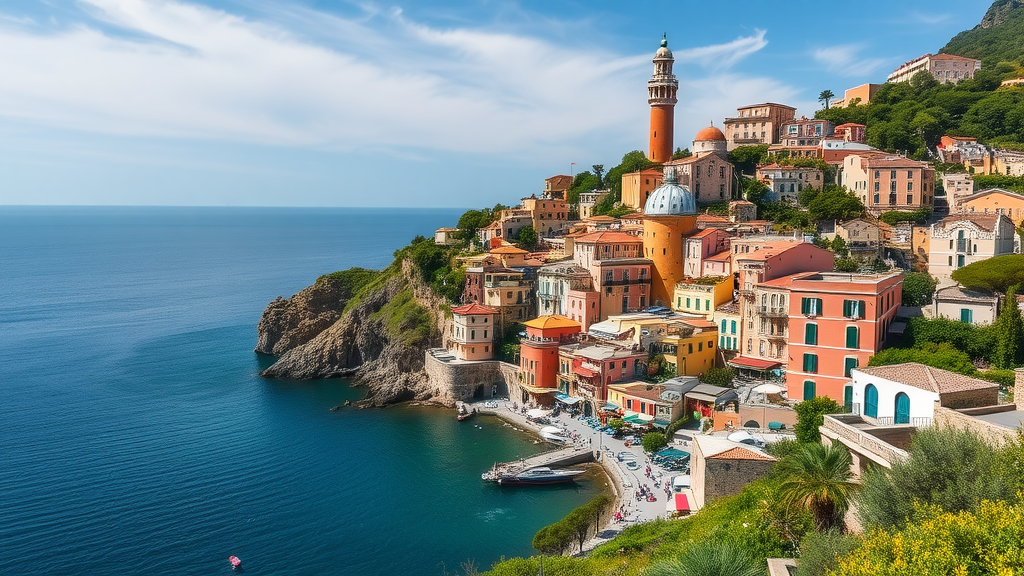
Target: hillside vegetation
{"points": [[996, 39]]}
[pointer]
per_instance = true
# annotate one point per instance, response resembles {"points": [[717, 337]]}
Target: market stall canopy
{"points": [[566, 399], [679, 503], [645, 417], [768, 389], [537, 413], [673, 453], [609, 407], [753, 363]]}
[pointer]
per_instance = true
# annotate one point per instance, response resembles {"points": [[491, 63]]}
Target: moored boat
{"points": [[539, 476], [236, 564]]}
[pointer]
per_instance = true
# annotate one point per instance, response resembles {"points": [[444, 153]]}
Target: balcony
{"points": [[855, 437], [747, 292], [773, 311], [964, 245], [505, 284]]}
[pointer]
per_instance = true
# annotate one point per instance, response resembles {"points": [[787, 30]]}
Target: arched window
{"points": [[871, 401], [902, 412]]}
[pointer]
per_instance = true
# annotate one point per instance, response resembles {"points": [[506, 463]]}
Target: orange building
{"points": [[669, 217], [637, 186], [661, 90], [885, 182], [837, 321], [538, 356], [994, 201]]}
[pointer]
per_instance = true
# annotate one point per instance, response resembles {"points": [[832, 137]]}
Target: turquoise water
{"points": [[136, 434]]}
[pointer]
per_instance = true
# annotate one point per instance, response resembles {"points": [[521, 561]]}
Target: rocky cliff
{"points": [[381, 333]]}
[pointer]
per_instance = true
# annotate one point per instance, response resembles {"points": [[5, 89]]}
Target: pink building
{"points": [[622, 277], [852, 132], [837, 321], [471, 336], [700, 246]]}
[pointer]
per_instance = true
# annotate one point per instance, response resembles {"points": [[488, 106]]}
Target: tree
{"points": [[681, 153], [598, 171], [839, 246], [653, 441], [993, 274], [526, 238], [582, 182], [948, 467], [942, 356], [821, 551], [810, 414], [847, 265], [818, 478], [805, 196], [835, 203], [825, 96], [918, 288], [616, 424], [746, 158], [1009, 351], [710, 558], [719, 377]]}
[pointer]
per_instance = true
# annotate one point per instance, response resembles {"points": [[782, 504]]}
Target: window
{"points": [[848, 398], [687, 302], [811, 334], [707, 305], [811, 363], [810, 306], [967, 315], [732, 326], [723, 325], [910, 186], [808, 389], [853, 308], [849, 364], [910, 198]]}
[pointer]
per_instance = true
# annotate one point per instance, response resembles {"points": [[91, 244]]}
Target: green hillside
{"points": [[996, 39]]}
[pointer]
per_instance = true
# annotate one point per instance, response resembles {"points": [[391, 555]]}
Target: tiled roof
{"points": [[741, 454], [608, 236], [473, 309], [703, 233], [723, 256], [952, 57], [982, 193], [960, 293], [769, 250], [928, 378], [711, 218], [509, 250], [729, 308], [983, 221]]}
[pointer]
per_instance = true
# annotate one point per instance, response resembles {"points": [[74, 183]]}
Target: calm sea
{"points": [[137, 436]]}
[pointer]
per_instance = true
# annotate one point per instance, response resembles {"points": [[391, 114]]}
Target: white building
{"points": [[962, 239], [907, 393]]}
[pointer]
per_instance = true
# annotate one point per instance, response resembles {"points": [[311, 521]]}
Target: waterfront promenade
{"points": [[625, 482]]}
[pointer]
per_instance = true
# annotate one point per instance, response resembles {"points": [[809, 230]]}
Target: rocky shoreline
{"points": [[316, 333]]}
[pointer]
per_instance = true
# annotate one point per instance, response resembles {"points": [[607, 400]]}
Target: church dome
{"points": [[709, 134], [670, 199], [663, 51]]}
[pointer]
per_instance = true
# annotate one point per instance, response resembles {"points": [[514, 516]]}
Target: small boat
{"points": [[462, 412], [462, 416], [539, 476], [236, 564], [554, 434]]}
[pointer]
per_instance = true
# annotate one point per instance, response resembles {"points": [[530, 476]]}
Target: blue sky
{"points": [[336, 103]]}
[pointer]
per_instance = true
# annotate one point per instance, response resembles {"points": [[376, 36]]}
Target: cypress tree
{"points": [[1009, 333]]}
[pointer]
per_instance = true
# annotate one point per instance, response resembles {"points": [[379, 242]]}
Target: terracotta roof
{"points": [[741, 454], [704, 233], [928, 378], [711, 218], [961, 293], [602, 218], [552, 321], [952, 57], [509, 250], [850, 125], [988, 191], [473, 309], [776, 166], [648, 391], [983, 221], [882, 160], [723, 256], [729, 308], [608, 236], [709, 134], [699, 323], [769, 250]]}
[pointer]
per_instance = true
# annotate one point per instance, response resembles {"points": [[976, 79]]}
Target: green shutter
{"points": [[966, 315], [862, 310], [811, 363], [852, 340], [846, 308], [849, 364], [809, 389], [805, 305], [811, 334]]}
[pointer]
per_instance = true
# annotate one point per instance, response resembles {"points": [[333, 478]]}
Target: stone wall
{"points": [[466, 381], [970, 398], [992, 433], [725, 477], [1018, 388]]}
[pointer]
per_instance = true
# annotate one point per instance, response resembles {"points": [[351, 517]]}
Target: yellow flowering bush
{"points": [[988, 542]]}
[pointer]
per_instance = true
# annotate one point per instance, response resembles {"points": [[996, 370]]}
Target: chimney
{"points": [[1018, 388]]}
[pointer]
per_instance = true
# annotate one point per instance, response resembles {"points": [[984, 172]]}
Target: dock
{"points": [[554, 459]]}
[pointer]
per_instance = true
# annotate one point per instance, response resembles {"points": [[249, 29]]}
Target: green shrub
{"points": [[783, 448], [653, 441], [918, 288], [719, 377], [573, 529], [820, 551], [810, 414]]}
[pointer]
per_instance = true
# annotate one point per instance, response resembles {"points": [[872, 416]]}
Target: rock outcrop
{"points": [[999, 12], [383, 348]]}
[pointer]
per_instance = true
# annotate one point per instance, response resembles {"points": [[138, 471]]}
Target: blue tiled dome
{"points": [[670, 199]]}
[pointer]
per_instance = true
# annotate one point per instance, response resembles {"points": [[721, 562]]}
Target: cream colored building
{"points": [[786, 182], [588, 200], [972, 307], [994, 201], [962, 239], [709, 177], [860, 235], [943, 67], [957, 186], [471, 336], [549, 216]]}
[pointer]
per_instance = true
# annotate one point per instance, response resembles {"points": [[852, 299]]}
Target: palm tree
{"points": [[710, 559], [818, 478], [825, 96]]}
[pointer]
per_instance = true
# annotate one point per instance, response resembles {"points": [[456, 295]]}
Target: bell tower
{"points": [[661, 90]]}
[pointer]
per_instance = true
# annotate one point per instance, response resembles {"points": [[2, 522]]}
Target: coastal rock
{"points": [[291, 322], [384, 336], [1000, 12]]}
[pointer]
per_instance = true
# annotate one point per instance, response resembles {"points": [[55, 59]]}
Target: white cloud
{"points": [[174, 69], [845, 60]]}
